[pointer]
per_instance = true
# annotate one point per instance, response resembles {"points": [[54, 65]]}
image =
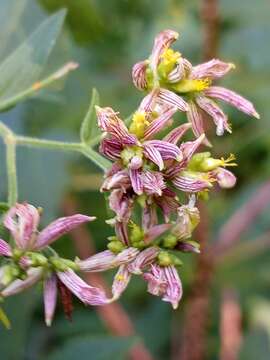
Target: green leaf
{"points": [[100, 348], [97, 159], [89, 128], [4, 319], [22, 68]]}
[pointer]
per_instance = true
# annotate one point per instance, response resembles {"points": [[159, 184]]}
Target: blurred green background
{"points": [[106, 38]]}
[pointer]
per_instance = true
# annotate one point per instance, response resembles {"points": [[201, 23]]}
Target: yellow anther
{"points": [[192, 85], [120, 277], [139, 124], [170, 56], [228, 161]]}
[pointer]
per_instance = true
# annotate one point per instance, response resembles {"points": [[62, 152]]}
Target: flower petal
{"points": [[225, 178], [159, 123], [136, 181], [58, 228], [174, 289], [172, 99], [50, 298], [155, 231], [111, 148], [153, 154], [139, 75], [211, 69], [162, 42], [88, 294], [120, 282], [175, 135], [17, 286], [5, 249], [211, 108], [195, 117], [121, 203], [166, 149], [233, 99], [190, 185], [22, 221], [143, 260]]}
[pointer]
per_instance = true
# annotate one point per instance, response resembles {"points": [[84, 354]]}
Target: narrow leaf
{"points": [[89, 128], [4, 319], [24, 65], [97, 159]]}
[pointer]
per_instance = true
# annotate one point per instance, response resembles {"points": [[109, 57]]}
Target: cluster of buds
{"points": [[152, 186]]}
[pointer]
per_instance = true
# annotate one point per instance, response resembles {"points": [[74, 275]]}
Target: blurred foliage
{"points": [[106, 38]]}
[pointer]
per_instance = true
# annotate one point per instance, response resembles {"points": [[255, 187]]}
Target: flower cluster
{"points": [[152, 186]]}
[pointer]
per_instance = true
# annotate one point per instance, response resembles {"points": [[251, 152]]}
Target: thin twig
{"points": [[230, 326], [114, 316], [242, 219]]}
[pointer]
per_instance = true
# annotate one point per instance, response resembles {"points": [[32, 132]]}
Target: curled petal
{"points": [[156, 281], [211, 69], [233, 99], [17, 286], [177, 73], [176, 134], [188, 218], [22, 221], [148, 103], [111, 148], [143, 260], [153, 154], [5, 249], [172, 99], [136, 181], [50, 298], [211, 108], [121, 203], [60, 227], [191, 185], [120, 179], [120, 282], [195, 117], [225, 178], [139, 75], [166, 149], [174, 289], [159, 123], [162, 42], [109, 121], [187, 66], [89, 295], [152, 182]]}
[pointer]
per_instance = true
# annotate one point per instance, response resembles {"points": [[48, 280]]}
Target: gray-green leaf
{"points": [[89, 128]]}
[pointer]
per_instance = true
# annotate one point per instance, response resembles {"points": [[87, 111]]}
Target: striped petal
{"points": [[58, 228], [50, 298], [211, 108], [111, 148], [211, 69], [136, 181], [174, 289], [151, 153], [120, 282], [172, 99], [166, 149], [233, 99], [5, 249], [159, 123], [176, 134], [191, 185], [195, 117], [143, 260], [139, 75]]}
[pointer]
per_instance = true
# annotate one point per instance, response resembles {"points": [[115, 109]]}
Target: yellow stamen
{"points": [[139, 124], [191, 85], [120, 277], [169, 59], [228, 161]]}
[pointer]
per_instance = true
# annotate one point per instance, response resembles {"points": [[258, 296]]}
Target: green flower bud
{"points": [[116, 246], [164, 259], [170, 241]]}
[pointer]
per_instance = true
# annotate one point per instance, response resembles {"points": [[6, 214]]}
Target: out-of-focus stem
{"points": [[230, 326], [114, 316], [10, 142], [210, 21]]}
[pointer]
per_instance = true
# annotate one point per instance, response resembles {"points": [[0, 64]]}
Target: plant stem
{"points": [[48, 144], [10, 142]]}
